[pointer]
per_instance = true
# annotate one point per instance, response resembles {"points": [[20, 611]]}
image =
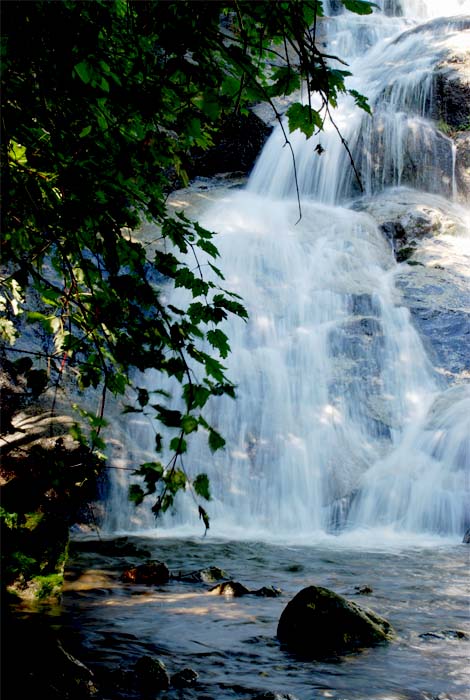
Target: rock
{"points": [[208, 575], [152, 573], [454, 634], [318, 622], [363, 590], [462, 165], [466, 537], [236, 589], [236, 146], [444, 634], [267, 592], [151, 674], [230, 588], [186, 678], [452, 91]]}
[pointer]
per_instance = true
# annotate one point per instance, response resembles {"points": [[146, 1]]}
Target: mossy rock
{"points": [[151, 573], [151, 674], [318, 622]]}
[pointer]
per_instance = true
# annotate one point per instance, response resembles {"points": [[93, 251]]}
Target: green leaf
{"points": [[216, 441], [361, 101], [171, 419], [189, 424], [85, 131], [219, 340], [178, 445], [201, 486], [84, 71], [360, 7], [136, 494], [304, 118]]}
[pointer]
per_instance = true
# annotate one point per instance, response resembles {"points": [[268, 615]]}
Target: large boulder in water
{"points": [[318, 622]]}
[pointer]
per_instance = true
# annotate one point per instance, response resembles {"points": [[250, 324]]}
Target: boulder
{"points": [[236, 147], [466, 537], [186, 678], [151, 573], [318, 622], [151, 674]]}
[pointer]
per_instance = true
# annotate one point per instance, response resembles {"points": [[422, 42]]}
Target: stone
{"points": [[207, 575], [151, 674], [230, 588], [186, 678], [236, 146], [318, 622], [462, 165], [363, 590], [152, 572], [267, 592], [466, 537]]}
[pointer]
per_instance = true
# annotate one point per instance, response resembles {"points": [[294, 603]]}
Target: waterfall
{"points": [[341, 421]]}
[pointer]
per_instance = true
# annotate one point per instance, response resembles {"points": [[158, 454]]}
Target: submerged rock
{"points": [[153, 572], [208, 575], [151, 674], [230, 588], [186, 678], [236, 589], [318, 622]]}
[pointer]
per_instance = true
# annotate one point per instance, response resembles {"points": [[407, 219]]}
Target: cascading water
{"points": [[341, 420]]}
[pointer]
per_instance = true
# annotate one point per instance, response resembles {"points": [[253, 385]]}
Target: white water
{"points": [[340, 418]]}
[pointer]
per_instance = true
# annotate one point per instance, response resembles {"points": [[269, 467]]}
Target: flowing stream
{"points": [[348, 451]]}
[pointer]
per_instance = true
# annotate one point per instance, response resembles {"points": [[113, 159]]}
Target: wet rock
{"points": [[267, 592], [151, 573], [444, 634], [186, 678], [236, 589], [230, 588], [208, 575], [318, 622], [466, 537], [452, 91], [462, 165], [151, 674], [455, 634], [430, 635], [405, 253], [237, 144], [363, 590]]}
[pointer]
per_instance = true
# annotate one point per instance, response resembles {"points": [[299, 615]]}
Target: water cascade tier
{"points": [[343, 421]]}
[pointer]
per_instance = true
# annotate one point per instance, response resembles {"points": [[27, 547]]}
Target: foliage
{"points": [[102, 103]]}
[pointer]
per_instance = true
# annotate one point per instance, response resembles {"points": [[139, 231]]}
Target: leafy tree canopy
{"points": [[102, 103]]}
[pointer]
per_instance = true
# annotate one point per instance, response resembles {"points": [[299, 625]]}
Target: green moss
{"points": [[48, 586], [32, 520], [404, 253]]}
